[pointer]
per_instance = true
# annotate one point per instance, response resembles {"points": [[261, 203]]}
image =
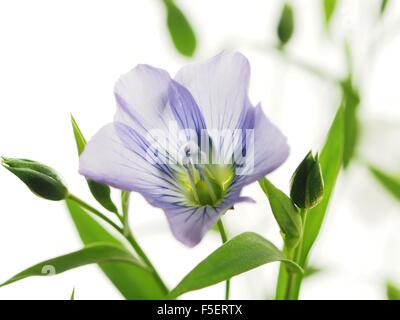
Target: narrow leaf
{"points": [[285, 25], [329, 7], [100, 192], [243, 253], [384, 5], [390, 182], [133, 283], [392, 291], [331, 162], [72, 294], [351, 101], [94, 253], [180, 30], [310, 271], [285, 212]]}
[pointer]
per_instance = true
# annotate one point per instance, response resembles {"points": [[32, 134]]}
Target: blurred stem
{"points": [[224, 239], [291, 289], [303, 65]]}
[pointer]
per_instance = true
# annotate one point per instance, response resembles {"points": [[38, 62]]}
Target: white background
{"points": [[58, 57]]}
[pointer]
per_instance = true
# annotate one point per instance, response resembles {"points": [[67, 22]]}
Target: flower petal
{"points": [[118, 157], [266, 151], [185, 108], [189, 224], [142, 96], [219, 87]]}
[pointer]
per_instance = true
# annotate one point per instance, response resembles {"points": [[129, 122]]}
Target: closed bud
{"points": [[307, 185], [39, 178]]}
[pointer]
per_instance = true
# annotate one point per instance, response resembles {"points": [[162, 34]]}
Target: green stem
{"points": [[140, 252], [96, 212], [224, 239], [125, 231], [133, 242], [292, 290]]}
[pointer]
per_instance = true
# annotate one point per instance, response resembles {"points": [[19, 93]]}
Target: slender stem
{"points": [[126, 232], [224, 239], [133, 242], [304, 65], [96, 212], [125, 210], [140, 252], [291, 292]]}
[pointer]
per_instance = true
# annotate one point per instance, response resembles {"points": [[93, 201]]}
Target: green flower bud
{"points": [[39, 178], [307, 185]]}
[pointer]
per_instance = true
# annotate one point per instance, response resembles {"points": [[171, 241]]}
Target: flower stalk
{"points": [[224, 239]]}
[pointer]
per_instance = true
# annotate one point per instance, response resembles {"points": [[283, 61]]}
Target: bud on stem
{"points": [[307, 185], [39, 178]]}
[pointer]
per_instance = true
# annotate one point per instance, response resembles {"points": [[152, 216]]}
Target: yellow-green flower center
{"points": [[205, 184]]}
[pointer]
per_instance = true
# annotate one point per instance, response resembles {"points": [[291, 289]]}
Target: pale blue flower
{"points": [[183, 174]]}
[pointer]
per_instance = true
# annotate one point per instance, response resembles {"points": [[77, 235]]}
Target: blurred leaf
{"points": [[285, 25], [384, 5], [390, 182], [100, 192], [133, 283], [72, 294], [94, 253], [331, 162], [329, 7], [392, 291], [285, 212], [240, 254], [310, 271], [351, 102], [179, 28]]}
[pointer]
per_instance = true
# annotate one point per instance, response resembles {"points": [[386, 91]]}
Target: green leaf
{"points": [[351, 102], [94, 253], [390, 182], [133, 283], [329, 7], [331, 162], [285, 25], [100, 192], [240, 254], [384, 5], [72, 294], [392, 291], [180, 30], [285, 212]]}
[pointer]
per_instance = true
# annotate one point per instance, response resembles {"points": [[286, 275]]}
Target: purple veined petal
{"points": [[142, 104], [185, 109], [219, 86], [107, 159], [190, 224], [267, 149], [142, 96]]}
